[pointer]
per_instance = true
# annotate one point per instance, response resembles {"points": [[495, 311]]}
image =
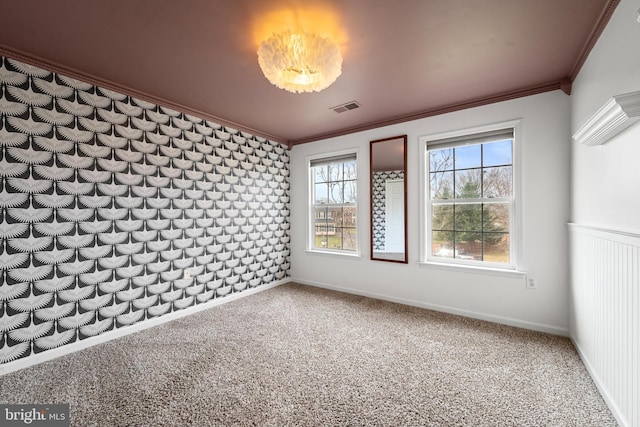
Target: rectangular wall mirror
{"points": [[388, 165]]}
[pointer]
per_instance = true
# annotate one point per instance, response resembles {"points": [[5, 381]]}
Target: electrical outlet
{"points": [[530, 283], [186, 273]]}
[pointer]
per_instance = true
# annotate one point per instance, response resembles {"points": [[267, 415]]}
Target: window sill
{"points": [[515, 274], [333, 253]]}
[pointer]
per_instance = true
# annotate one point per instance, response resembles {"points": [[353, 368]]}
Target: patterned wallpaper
{"points": [[378, 190], [114, 210]]}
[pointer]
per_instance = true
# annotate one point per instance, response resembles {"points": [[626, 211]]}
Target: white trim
{"points": [[515, 227], [509, 321], [517, 247], [625, 237], [475, 269], [617, 114], [423, 188], [330, 252], [127, 330], [604, 392]]}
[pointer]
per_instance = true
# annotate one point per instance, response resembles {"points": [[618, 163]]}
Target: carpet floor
{"points": [[301, 356]]}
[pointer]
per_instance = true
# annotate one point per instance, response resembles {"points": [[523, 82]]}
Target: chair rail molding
{"points": [[617, 114]]}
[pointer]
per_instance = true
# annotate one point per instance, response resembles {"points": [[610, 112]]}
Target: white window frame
{"points": [[515, 233], [311, 229]]}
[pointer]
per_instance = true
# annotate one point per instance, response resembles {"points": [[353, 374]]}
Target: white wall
{"points": [[545, 167], [606, 179], [606, 211]]}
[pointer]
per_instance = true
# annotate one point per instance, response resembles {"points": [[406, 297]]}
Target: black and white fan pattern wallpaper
{"points": [[379, 206], [114, 210]]}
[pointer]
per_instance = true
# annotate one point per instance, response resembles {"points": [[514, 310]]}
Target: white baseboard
{"points": [[604, 392], [127, 330], [539, 327]]}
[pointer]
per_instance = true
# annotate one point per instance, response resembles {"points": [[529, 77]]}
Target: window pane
{"points": [[350, 191], [496, 247], [321, 173], [321, 222], [320, 237], [441, 185], [469, 246], [336, 195], [349, 239], [335, 172], [335, 216], [441, 160], [442, 217], [468, 157], [321, 241], [321, 194], [468, 218], [496, 217], [497, 153], [350, 170], [349, 217], [497, 182], [442, 244], [333, 240], [468, 184]]}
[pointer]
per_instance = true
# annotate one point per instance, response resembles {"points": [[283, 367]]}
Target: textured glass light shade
{"points": [[300, 62]]}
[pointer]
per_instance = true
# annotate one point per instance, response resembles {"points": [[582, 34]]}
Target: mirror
{"points": [[388, 161]]}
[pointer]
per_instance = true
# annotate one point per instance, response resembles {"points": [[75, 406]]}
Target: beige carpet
{"points": [[302, 356]]}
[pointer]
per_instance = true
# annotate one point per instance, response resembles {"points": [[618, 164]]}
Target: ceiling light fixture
{"points": [[300, 62]]}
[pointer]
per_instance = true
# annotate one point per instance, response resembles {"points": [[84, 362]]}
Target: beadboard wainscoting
{"points": [[115, 211], [605, 314]]}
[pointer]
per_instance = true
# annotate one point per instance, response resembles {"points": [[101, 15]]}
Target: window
{"points": [[333, 199], [470, 200]]}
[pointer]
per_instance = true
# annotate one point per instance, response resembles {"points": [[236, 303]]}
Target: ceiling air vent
{"points": [[346, 107]]}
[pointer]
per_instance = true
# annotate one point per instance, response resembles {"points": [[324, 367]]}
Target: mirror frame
{"points": [[403, 139]]}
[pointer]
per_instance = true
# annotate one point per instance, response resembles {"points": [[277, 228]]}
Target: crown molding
{"points": [[595, 34], [478, 102], [108, 84], [617, 114]]}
